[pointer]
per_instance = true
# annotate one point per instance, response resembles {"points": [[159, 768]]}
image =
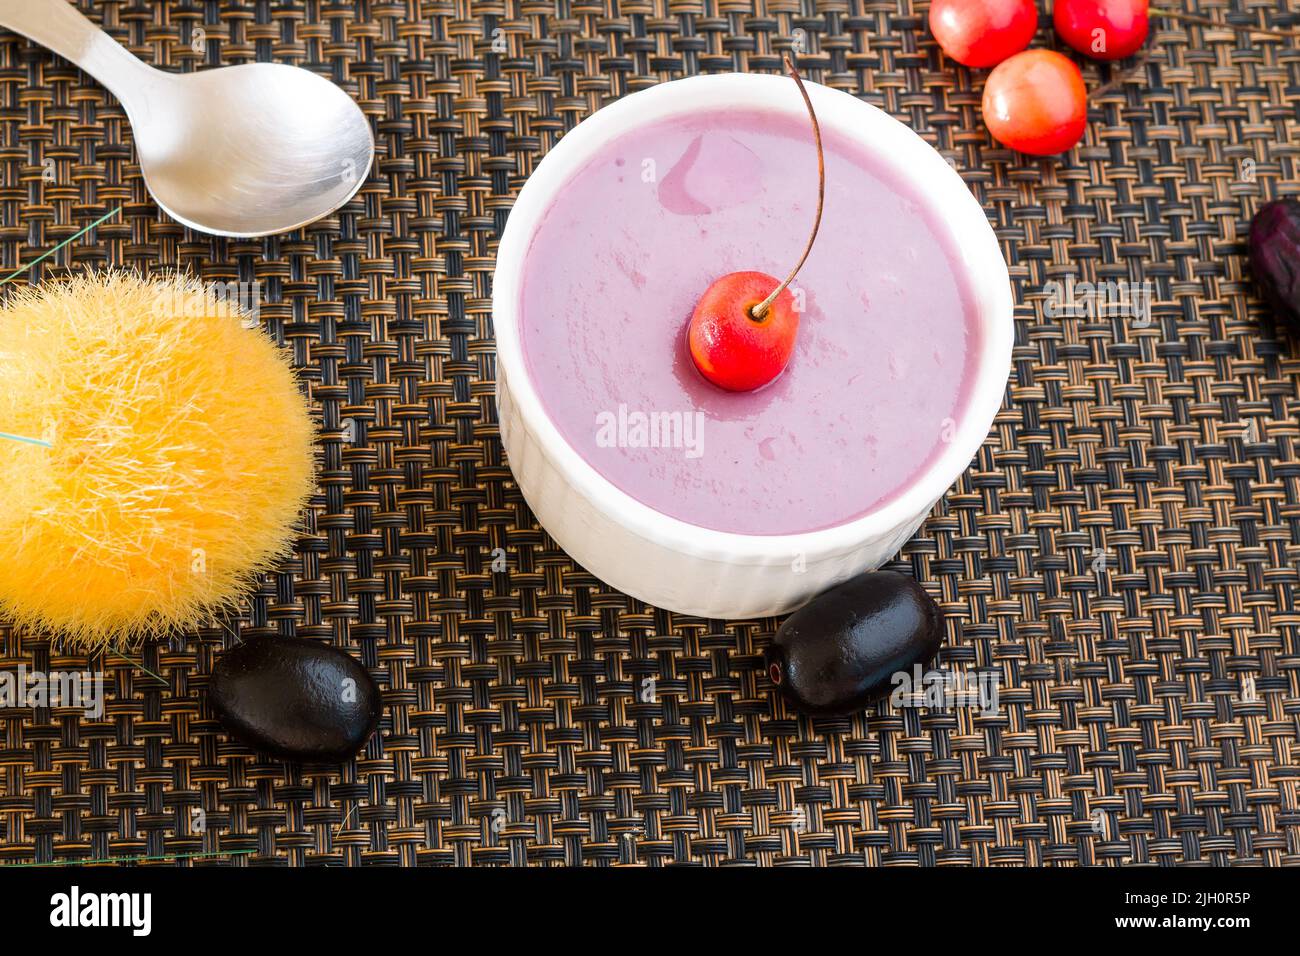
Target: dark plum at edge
{"points": [[840, 651]]}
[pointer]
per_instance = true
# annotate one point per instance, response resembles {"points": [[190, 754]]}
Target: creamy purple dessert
{"points": [[881, 367]]}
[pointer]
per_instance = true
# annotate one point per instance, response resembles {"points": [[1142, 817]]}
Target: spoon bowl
{"points": [[244, 151], [249, 150]]}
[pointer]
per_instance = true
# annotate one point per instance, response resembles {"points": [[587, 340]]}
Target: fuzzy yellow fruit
{"points": [[180, 455]]}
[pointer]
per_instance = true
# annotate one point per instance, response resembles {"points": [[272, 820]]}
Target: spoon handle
{"points": [[60, 27]]}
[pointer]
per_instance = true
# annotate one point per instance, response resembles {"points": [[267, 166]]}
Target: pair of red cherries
{"points": [[1034, 100]]}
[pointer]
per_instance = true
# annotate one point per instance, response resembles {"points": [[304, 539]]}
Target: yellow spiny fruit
{"points": [[180, 457]]}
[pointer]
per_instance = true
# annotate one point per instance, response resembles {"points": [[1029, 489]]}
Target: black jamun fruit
{"points": [[840, 652], [1275, 256]]}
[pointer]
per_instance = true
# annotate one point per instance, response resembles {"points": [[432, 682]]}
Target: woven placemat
{"points": [[1122, 552]]}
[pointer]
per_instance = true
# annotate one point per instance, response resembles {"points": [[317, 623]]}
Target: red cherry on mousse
{"points": [[983, 32], [731, 348], [742, 332], [1036, 103], [1103, 29]]}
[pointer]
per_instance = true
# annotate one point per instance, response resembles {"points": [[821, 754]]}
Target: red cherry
{"points": [[742, 331], [1036, 103], [983, 32], [731, 348], [1103, 29]]}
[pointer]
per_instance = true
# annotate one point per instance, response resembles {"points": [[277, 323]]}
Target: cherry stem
{"points": [[1128, 75], [760, 310], [1206, 21]]}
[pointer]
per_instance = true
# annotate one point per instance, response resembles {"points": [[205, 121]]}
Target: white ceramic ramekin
{"points": [[668, 562]]}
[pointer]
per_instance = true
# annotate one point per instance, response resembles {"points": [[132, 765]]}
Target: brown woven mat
{"points": [[1150, 699]]}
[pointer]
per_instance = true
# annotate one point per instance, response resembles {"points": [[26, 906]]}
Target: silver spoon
{"points": [[247, 150]]}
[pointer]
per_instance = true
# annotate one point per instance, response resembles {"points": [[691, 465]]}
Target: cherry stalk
{"points": [[1208, 22], [761, 309]]}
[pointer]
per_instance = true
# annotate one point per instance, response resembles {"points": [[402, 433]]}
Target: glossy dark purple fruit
{"points": [[1275, 256], [840, 652], [294, 698]]}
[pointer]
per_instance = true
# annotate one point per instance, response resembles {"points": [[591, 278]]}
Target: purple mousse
{"points": [[881, 366]]}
